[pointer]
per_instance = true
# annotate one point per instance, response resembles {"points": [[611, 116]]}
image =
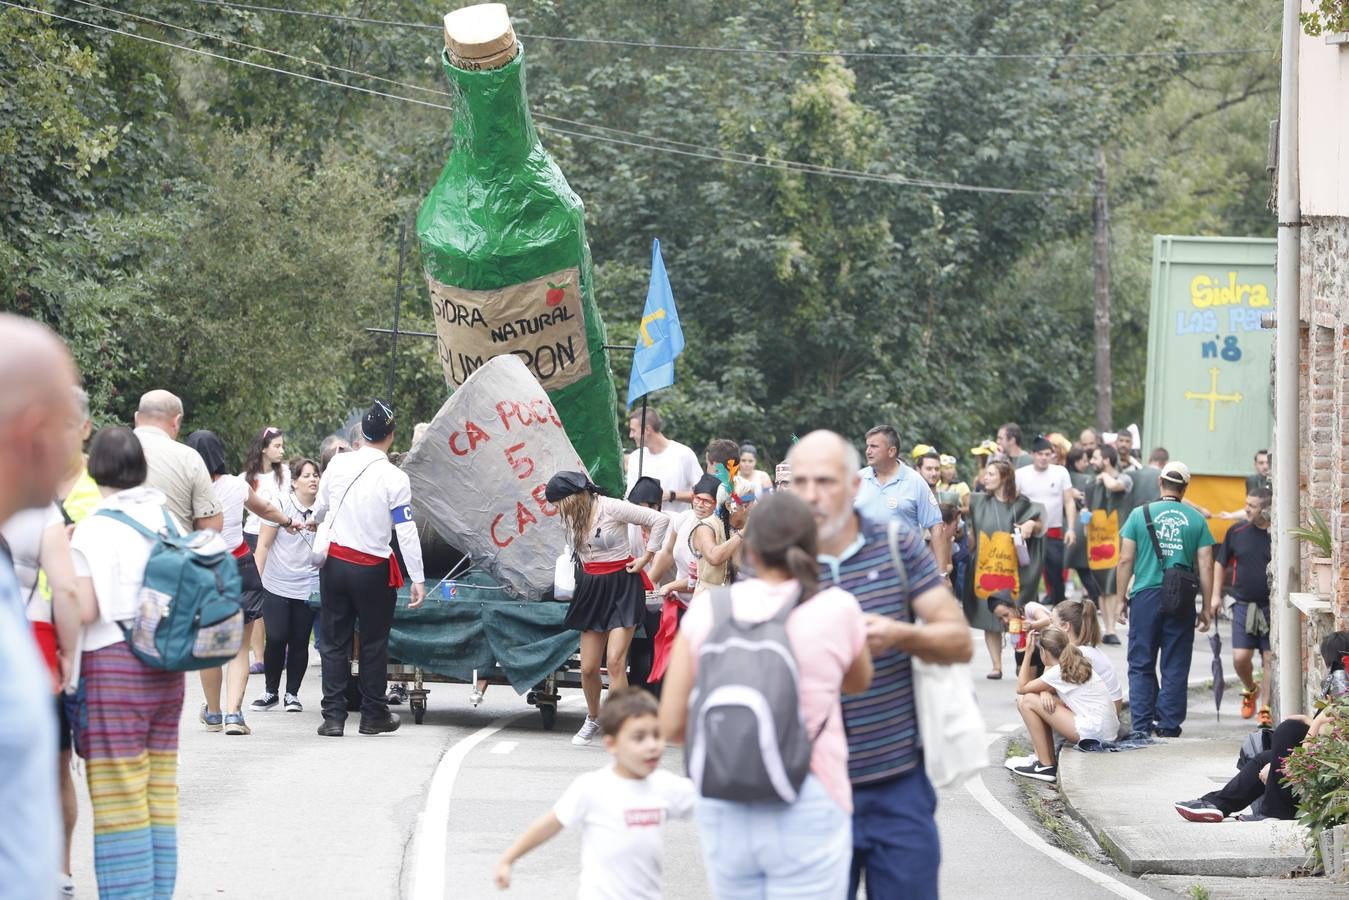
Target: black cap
{"points": [[377, 423], [1041, 443], [211, 450], [708, 484], [564, 484], [646, 490]]}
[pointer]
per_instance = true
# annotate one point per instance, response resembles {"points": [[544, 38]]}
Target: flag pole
{"points": [[641, 440]]}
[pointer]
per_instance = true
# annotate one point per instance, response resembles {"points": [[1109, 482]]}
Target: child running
{"points": [[620, 809]]}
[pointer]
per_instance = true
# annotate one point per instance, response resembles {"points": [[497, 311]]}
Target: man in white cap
{"points": [[1159, 541], [365, 499]]}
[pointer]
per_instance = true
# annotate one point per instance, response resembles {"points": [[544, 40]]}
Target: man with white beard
{"points": [[895, 844]]}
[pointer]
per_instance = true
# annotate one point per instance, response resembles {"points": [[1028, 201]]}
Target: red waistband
{"points": [[361, 558], [240, 551], [1054, 533], [609, 568]]}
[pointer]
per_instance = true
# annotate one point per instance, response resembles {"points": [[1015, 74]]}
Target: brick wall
{"points": [[1323, 396]]}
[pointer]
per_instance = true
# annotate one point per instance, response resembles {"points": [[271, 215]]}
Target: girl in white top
{"points": [[1069, 699], [1078, 619], [128, 726], [610, 595], [289, 578], [751, 479], [266, 472]]}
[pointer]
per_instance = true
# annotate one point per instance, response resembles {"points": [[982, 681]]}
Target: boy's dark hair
{"points": [[949, 512], [1111, 454], [623, 704], [720, 450], [116, 459]]}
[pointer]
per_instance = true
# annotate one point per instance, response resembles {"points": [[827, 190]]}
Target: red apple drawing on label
{"points": [[555, 293]]}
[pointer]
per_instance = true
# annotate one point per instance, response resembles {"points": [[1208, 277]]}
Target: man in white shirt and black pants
{"points": [[365, 498], [1047, 483]]}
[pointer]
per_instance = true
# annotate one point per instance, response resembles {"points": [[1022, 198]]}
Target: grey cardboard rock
{"points": [[480, 471]]}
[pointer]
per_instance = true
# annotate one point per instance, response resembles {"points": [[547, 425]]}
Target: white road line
{"points": [[431, 838], [503, 747], [1028, 837]]}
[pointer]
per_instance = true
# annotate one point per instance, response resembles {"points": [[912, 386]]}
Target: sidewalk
{"points": [[1125, 799]]}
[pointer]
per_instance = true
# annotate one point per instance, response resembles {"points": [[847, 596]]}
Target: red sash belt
{"points": [[1054, 533], [45, 635], [618, 565], [664, 638], [360, 558], [240, 551]]}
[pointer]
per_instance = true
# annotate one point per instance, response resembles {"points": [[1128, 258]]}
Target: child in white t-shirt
{"points": [[621, 809]]}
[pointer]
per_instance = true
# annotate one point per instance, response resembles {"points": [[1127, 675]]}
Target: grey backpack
{"points": [[746, 740]]}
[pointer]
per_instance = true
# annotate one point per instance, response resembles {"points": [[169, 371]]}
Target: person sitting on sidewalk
{"points": [[1085, 713], [1262, 777], [1078, 619], [1245, 555]]}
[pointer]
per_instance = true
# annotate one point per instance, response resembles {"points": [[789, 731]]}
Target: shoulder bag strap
{"points": [[1152, 533], [342, 499]]}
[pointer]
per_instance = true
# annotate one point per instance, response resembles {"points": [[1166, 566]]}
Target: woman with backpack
{"points": [[235, 496], [774, 820], [128, 727]]}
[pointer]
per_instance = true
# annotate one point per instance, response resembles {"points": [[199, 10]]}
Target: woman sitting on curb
{"points": [[1262, 778], [1085, 713]]}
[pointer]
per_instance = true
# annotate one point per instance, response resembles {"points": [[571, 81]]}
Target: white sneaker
{"points": [[66, 884], [587, 732], [475, 699], [1014, 762]]}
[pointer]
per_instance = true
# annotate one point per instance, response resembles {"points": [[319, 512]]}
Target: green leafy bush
{"points": [[1317, 771]]}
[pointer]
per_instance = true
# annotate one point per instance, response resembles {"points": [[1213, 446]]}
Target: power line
{"points": [[700, 152], [766, 51], [734, 155]]}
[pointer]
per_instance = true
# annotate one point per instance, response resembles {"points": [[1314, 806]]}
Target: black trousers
{"points": [[288, 622], [1246, 787], [642, 654], [1054, 570], [1090, 583], [353, 594]]}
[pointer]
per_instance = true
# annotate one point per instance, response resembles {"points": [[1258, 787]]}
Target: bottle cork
{"points": [[480, 37]]}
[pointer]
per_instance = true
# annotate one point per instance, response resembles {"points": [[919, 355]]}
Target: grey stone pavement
{"points": [[283, 813]]}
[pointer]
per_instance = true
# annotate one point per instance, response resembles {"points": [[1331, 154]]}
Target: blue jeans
{"points": [[1151, 632], [765, 851], [895, 839]]}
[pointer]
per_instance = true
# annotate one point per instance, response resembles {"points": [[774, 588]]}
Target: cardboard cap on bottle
{"points": [[480, 37]]}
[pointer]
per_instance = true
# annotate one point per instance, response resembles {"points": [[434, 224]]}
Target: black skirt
{"points": [[606, 602]]}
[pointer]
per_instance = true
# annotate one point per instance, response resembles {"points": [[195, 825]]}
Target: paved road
{"points": [[283, 813]]}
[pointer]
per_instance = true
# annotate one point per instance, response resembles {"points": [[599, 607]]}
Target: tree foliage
{"points": [[229, 231]]}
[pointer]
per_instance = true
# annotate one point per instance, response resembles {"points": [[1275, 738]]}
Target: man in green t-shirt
{"points": [[1184, 538]]}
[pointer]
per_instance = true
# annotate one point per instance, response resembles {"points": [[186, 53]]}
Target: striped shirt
{"points": [[881, 723]]}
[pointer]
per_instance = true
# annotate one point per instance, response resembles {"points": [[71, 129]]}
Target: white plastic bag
{"points": [[564, 576]]}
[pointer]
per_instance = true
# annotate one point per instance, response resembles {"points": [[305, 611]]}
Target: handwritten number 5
{"points": [[523, 466]]}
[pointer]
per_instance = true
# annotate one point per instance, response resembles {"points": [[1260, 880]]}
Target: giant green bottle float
{"points": [[503, 245]]}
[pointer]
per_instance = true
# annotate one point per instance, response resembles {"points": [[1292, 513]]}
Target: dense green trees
{"points": [[228, 231]]}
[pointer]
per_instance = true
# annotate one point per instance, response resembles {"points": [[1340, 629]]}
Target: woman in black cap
{"points": [[611, 588]]}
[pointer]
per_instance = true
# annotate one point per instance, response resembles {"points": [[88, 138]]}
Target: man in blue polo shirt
{"points": [[895, 844], [888, 489]]}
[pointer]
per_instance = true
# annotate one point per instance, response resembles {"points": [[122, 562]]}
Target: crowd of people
{"points": [[769, 623]]}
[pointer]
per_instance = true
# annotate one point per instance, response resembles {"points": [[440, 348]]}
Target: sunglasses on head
{"points": [[270, 430]]}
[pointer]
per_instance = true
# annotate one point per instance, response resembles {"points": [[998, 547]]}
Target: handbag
{"points": [[1180, 583], [954, 740], [564, 576], [323, 535]]}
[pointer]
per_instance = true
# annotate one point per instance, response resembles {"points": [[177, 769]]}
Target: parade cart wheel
{"points": [[545, 697], [417, 703], [548, 716]]}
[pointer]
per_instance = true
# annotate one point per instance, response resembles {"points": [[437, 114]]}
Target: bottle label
{"points": [[540, 321]]}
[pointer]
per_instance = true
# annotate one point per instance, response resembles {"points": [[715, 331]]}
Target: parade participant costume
{"points": [[607, 595], [708, 574], [995, 565], [365, 498], [503, 245]]}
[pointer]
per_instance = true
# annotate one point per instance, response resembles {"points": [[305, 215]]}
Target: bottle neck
{"points": [[491, 110]]}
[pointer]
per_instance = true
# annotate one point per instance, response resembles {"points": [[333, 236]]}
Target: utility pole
{"points": [[1101, 251]]}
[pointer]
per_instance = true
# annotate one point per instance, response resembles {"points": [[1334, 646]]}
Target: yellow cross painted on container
{"points": [[647, 340], [1213, 397]]}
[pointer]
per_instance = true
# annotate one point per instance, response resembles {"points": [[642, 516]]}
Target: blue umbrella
{"points": [[1215, 643]]}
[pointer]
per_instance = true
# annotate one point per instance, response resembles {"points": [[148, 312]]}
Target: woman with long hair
{"points": [[751, 478], [289, 579], [1078, 619], [1069, 699], [743, 842], [235, 496], [1005, 527], [610, 595], [266, 472]]}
